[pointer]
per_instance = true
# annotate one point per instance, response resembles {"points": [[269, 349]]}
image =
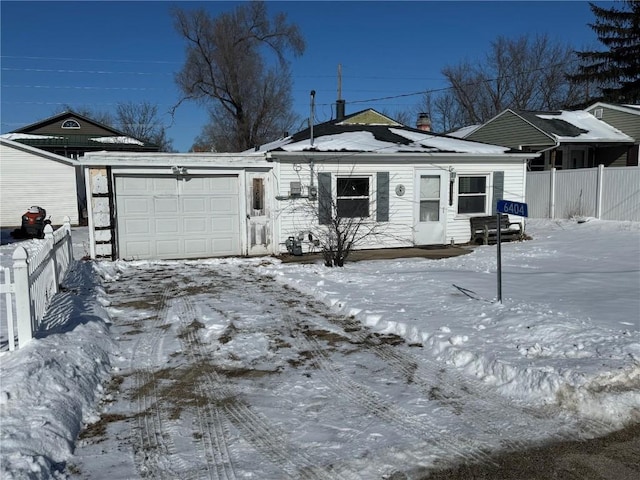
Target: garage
{"points": [[176, 217]]}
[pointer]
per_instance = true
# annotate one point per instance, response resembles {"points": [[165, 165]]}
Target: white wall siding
{"points": [[459, 225], [28, 179], [299, 216]]}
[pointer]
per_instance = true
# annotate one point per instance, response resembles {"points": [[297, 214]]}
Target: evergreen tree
{"points": [[616, 70]]}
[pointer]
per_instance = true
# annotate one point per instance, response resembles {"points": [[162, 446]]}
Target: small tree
{"points": [[337, 222]]}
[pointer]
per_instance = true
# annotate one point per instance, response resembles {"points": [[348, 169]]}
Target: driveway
{"points": [[223, 373]]}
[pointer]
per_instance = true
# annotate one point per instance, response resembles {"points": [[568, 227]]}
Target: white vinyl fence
{"points": [[611, 193], [36, 279]]}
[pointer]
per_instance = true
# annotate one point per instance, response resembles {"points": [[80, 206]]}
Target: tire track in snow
{"points": [[488, 407], [399, 418], [472, 402], [267, 439], [210, 420], [153, 449]]}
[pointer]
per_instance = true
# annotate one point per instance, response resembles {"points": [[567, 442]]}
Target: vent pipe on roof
{"points": [[340, 103], [340, 109], [311, 115], [424, 122]]}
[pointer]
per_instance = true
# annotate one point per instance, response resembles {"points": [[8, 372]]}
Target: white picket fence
{"points": [[611, 193], [36, 279]]}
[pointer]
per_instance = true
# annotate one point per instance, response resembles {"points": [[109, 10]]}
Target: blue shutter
{"points": [[382, 197], [498, 190], [324, 198]]}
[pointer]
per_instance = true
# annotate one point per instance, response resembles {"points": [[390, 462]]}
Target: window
{"points": [[257, 196], [429, 198], [70, 124], [472, 194], [352, 197]]}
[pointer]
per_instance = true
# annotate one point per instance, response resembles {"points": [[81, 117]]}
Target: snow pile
{"points": [[567, 332]]}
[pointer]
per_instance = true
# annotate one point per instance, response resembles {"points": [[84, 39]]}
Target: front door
{"points": [[258, 213], [431, 208]]}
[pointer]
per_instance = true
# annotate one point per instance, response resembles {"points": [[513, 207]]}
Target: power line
{"points": [[92, 72], [68, 59]]}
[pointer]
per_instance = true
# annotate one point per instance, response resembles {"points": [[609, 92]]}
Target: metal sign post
{"points": [[514, 208], [499, 247]]}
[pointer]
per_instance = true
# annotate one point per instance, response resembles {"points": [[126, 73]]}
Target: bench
{"points": [[484, 230]]}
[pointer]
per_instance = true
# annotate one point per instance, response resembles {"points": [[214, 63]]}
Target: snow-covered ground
{"points": [[565, 338]]}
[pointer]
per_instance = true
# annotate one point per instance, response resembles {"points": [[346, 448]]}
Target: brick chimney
{"points": [[424, 122]]}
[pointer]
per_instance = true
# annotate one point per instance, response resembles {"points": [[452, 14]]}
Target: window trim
{"points": [[487, 187], [76, 124], [368, 196]]}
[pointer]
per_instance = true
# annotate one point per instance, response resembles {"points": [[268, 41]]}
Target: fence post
{"points": [[552, 194], [53, 264], [599, 191], [67, 228], [24, 307]]}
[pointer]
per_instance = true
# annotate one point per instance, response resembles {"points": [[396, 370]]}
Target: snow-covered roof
{"points": [[463, 132], [386, 138], [587, 128], [28, 136], [119, 140]]}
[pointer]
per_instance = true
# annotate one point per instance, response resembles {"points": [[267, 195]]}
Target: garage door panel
{"points": [[195, 205], [197, 246], [141, 226], [166, 205], [168, 248], [163, 185], [195, 226], [167, 218], [224, 205], [139, 249], [136, 206], [167, 225]]}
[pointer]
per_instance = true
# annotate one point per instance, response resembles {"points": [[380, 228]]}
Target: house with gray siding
{"points": [[564, 139], [406, 186], [625, 118]]}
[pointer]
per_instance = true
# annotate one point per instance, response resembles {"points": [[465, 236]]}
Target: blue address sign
{"points": [[513, 208]]}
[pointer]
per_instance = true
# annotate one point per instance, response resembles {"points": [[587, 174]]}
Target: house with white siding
{"points": [[408, 187], [30, 176]]}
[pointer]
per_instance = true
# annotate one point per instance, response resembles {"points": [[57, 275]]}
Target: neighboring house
{"points": [[71, 135], [420, 188], [565, 139], [30, 176], [625, 118]]}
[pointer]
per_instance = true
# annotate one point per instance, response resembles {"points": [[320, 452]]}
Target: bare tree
{"points": [[347, 213], [140, 120], [226, 70], [524, 73]]}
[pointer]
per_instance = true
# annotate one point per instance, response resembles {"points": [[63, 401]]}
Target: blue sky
{"points": [[96, 54]]}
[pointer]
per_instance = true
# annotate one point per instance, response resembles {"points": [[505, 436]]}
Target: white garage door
{"points": [[171, 218]]}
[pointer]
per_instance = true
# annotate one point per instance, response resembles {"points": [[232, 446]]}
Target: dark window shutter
{"points": [[324, 198], [498, 190], [382, 197]]}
